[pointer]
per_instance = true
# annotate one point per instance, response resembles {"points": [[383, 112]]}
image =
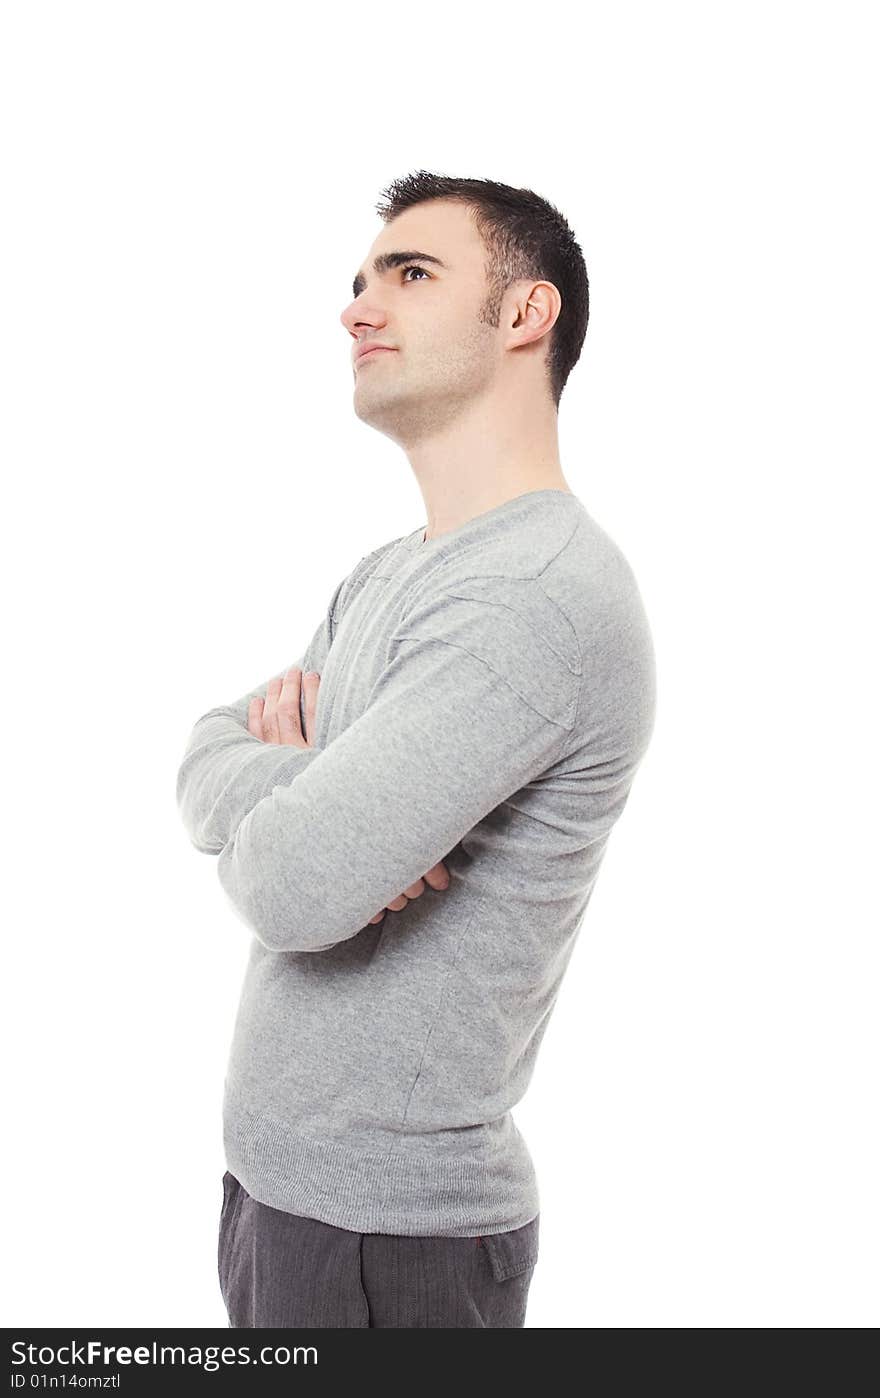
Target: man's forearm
{"points": [[225, 772]]}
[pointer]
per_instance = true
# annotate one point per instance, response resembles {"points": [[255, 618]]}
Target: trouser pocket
{"points": [[231, 1188], [514, 1252]]}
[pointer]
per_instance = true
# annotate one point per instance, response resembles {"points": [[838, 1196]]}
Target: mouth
{"points": [[371, 354]]}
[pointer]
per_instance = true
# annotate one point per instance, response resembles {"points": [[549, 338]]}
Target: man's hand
{"points": [[277, 720], [438, 877]]}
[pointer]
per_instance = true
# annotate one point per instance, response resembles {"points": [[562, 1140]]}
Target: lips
{"points": [[380, 349]]}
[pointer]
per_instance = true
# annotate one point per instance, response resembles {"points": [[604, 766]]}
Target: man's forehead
{"points": [[440, 217]]}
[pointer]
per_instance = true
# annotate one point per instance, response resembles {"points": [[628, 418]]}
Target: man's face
{"points": [[443, 354]]}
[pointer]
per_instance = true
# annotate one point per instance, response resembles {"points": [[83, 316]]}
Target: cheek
{"points": [[448, 339], [469, 345]]}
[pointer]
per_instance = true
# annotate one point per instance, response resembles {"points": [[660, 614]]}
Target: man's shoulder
{"points": [[557, 611], [563, 575]]}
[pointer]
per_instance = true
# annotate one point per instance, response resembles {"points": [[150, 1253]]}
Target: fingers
{"points": [[311, 681], [270, 712], [287, 712], [436, 877], [277, 718], [255, 717]]}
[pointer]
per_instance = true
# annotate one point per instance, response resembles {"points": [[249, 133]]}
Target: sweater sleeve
{"points": [[473, 704], [226, 770]]}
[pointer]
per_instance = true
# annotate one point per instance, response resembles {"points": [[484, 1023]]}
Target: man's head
{"points": [[499, 301]]}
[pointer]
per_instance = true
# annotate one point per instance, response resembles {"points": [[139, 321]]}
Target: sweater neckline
{"points": [[419, 544]]}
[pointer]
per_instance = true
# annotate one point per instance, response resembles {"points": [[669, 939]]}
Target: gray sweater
{"points": [[486, 697]]}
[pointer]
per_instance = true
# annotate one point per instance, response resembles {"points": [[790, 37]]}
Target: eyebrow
{"points": [[386, 260]]}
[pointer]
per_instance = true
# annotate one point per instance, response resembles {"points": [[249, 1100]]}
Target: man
{"points": [[410, 819]]}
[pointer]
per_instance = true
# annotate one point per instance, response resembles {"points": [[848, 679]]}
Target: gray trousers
{"points": [[278, 1270]]}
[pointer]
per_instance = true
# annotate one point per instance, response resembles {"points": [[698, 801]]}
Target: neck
{"points": [[478, 461]]}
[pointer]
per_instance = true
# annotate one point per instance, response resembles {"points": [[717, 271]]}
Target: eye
{"points": [[417, 269]]}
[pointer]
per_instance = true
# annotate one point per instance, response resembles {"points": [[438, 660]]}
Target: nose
{"points": [[360, 313]]}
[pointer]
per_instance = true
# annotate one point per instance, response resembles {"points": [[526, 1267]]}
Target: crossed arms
{"points": [[312, 842], [279, 719]]}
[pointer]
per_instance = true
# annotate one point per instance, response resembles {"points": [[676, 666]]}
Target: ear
{"points": [[534, 310]]}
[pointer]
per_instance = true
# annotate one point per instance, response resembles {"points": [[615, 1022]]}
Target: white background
{"points": [[189, 189]]}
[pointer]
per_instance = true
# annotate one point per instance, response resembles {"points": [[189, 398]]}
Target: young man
{"points": [[411, 818]]}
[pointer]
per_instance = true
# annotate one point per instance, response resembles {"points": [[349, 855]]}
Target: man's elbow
{"points": [[277, 913], [288, 935], [198, 830], [186, 795], [204, 848]]}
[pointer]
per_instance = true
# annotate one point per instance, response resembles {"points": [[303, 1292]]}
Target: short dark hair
{"points": [[525, 236]]}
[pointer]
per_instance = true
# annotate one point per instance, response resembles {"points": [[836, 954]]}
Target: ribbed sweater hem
{"points": [[396, 1192]]}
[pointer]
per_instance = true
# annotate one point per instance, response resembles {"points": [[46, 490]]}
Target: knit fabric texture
{"points": [[486, 697]]}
